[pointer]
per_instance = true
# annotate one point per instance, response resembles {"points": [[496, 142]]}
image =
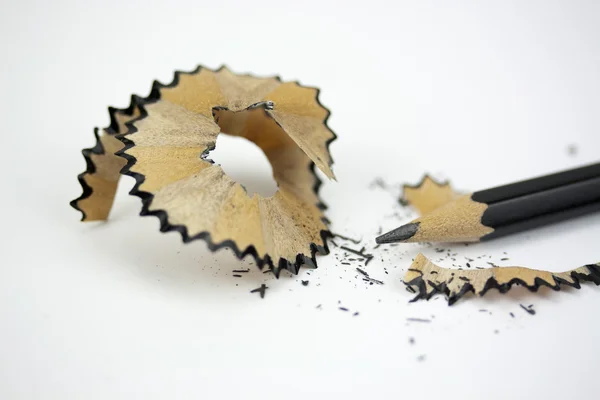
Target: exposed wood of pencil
{"points": [[457, 221]]}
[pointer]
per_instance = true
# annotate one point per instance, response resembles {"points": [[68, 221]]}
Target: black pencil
{"points": [[503, 210]]}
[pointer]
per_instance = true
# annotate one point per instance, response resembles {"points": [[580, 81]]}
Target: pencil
{"points": [[503, 210]]}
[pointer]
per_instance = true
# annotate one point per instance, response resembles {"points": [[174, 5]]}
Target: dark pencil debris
{"points": [[357, 252], [418, 320], [304, 283], [378, 183], [262, 289], [529, 309], [240, 271], [343, 308], [236, 275], [368, 278]]}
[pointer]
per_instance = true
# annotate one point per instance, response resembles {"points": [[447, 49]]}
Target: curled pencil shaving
{"points": [[429, 194], [163, 142], [429, 279]]}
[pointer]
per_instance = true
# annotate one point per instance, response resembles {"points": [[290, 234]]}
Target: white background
{"points": [[482, 93]]}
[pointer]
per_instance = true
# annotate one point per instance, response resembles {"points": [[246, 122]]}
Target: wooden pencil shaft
{"points": [[542, 220], [547, 202], [535, 185]]}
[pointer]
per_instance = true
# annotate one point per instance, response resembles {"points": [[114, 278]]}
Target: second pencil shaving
{"points": [[428, 279]]}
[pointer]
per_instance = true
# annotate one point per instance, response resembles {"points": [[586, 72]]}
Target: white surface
{"points": [[481, 92]]}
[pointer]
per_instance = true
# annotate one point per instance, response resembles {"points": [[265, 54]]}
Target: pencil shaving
{"points": [[429, 194], [429, 279], [164, 141]]}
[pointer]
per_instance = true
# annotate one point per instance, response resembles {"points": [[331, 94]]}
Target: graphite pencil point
{"points": [[399, 234]]}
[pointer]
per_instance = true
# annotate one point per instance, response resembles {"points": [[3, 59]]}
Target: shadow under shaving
{"points": [[162, 259], [517, 295]]}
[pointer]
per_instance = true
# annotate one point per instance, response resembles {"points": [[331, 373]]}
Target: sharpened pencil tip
{"points": [[401, 234]]}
